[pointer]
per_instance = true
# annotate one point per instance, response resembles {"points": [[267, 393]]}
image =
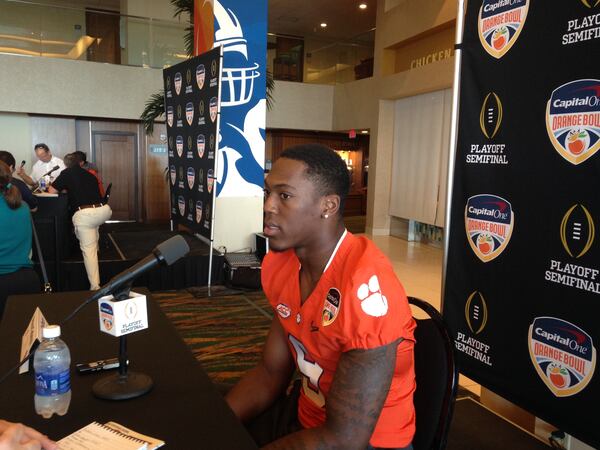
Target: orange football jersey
{"points": [[358, 303]]}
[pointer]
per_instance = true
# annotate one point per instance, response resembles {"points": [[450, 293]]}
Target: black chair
{"points": [[437, 378], [107, 193]]}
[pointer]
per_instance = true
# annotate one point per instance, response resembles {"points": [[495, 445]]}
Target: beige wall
{"points": [[75, 88], [368, 103], [301, 106], [15, 137]]}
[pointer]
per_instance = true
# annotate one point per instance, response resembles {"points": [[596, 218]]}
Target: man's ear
{"points": [[330, 205]]}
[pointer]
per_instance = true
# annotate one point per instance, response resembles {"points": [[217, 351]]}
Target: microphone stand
{"points": [[123, 385]]}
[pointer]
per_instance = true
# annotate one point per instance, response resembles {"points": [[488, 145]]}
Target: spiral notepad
{"points": [[96, 436]]}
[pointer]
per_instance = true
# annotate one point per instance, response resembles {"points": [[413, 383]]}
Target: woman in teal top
{"points": [[16, 273]]}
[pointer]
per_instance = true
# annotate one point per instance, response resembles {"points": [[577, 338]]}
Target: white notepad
{"points": [[96, 436]]}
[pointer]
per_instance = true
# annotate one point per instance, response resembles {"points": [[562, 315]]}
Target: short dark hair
{"points": [[325, 167], [7, 158], [70, 161], [80, 156], [41, 145]]}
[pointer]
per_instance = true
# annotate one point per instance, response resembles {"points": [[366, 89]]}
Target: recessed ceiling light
{"points": [[323, 25], [365, 131], [363, 6]]}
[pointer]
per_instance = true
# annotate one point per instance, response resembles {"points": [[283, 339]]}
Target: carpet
{"points": [[225, 331]]}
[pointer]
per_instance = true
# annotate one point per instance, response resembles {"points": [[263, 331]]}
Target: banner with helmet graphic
{"points": [[241, 29], [522, 278], [192, 110]]}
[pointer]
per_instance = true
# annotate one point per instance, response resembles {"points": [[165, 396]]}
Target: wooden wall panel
{"points": [[156, 188], [56, 132]]}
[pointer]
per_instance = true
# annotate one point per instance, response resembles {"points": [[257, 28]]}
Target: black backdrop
{"points": [[522, 286], [192, 108]]}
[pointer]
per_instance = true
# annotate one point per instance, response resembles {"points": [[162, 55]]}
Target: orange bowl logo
{"points": [[178, 80], [181, 204], [170, 116], [198, 211], [200, 76], [500, 23], [200, 145], [489, 221], [173, 173], [562, 354], [573, 120], [189, 112], [179, 145], [191, 177]]}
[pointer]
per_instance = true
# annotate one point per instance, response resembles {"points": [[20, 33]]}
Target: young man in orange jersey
{"points": [[341, 319]]}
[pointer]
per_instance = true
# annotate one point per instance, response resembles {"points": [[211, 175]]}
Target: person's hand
{"points": [[21, 171], [15, 436]]}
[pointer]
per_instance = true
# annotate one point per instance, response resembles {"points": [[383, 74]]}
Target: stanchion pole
{"points": [[460, 22]]}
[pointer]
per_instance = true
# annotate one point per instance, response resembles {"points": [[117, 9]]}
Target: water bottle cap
{"points": [[51, 331]]}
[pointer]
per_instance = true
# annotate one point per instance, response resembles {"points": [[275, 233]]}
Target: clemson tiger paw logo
{"points": [[372, 301]]}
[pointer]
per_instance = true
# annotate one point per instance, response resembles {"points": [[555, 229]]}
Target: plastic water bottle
{"points": [[51, 362], [42, 184]]}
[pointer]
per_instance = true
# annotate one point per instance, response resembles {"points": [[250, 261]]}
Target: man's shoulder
{"points": [[19, 183]]}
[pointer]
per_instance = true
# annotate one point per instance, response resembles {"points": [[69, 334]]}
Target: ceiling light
{"points": [[323, 25], [365, 131], [363, 6]]}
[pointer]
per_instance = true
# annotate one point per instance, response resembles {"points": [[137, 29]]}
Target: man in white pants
{"points": [[89, 213]]}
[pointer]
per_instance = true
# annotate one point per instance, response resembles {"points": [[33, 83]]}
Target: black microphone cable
{"points": [[168, 252]]}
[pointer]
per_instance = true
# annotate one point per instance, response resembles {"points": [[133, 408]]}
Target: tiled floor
{"points": [[419, 268]]}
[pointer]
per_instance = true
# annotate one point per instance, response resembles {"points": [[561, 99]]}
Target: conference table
{"points": [[184, 409]]}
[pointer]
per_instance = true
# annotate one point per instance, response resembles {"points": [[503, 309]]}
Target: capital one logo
{"points": [[573, 120], [476, 312], [490, 117], [562, 354], [500, 24], [489, 222], [577, 231]]}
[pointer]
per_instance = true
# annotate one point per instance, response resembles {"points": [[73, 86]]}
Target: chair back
{"points": [[107, 193], [436, 377]]}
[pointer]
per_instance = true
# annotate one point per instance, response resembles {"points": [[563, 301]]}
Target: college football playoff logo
{"points": [[577, 231], [591, 3], [476, 312], [573, 120], [500, 24], [490, 116]]}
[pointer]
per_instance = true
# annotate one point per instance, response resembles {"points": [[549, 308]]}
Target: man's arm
{"points": [[359, 389], [26, 178], [261, 386]]}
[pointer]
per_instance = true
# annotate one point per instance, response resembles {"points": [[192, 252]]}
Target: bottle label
{"points": [[52, 384]]}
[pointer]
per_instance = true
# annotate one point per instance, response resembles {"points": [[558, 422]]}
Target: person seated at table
{"points": [[26, 194], [341, 319], [89, 212], [16, 436], [81, 159], [16, 273], [45, 163]]}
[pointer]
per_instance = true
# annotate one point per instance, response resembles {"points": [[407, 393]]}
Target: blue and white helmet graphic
{"points": [[243, 107], [238, 73]]}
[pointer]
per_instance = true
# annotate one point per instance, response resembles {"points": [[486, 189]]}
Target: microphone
{"points": [[166, 253], [22, 164], [49, 172]]}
